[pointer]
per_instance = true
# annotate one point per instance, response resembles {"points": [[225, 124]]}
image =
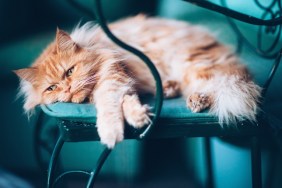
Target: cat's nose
{"points": [[68, 89]]}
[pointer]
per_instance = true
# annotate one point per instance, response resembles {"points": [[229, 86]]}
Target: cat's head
{"points": [[63, 72]]}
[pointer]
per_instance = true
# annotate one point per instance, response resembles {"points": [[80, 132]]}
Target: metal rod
{"points": [[256, 162], [210, 176], [273, 159], [53, 161], [236, 15], [272, 73], [159, 90], [94, 173], [259, 51], [69, 173]]}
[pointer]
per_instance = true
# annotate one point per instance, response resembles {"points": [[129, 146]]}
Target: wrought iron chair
{"points": [[76, 122]]}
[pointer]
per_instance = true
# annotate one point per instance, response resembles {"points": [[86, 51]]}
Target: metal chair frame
{"points": [[70, 131]]}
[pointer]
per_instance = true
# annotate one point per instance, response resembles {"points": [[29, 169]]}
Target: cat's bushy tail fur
{"points": [[235, 99]]}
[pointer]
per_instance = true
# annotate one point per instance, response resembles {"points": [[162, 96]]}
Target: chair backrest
{"points": [[263, 19]]}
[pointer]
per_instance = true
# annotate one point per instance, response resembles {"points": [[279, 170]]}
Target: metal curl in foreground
{"points": [[159, 90]]}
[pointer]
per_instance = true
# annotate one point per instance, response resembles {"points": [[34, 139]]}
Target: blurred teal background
{"points": [[28, 26]]}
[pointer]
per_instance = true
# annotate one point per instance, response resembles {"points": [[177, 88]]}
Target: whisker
{"points": [[83, 83]]}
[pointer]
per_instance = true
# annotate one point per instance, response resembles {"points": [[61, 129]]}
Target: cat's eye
{"points": [[51, 88], [69, 72]]}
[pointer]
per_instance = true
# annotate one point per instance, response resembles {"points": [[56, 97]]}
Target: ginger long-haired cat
{"points": [[87, 65]]}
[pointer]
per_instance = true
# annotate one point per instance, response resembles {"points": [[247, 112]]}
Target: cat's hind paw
{"points": [[198, 102], [171, 89], [136, 114]]}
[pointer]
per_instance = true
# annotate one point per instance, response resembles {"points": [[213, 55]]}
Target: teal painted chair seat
{"points": [[176, 120], [172, 109], [174, 112]]}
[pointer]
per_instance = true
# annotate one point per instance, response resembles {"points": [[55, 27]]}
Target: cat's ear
{"points": [[64, 43], [27, 74]]}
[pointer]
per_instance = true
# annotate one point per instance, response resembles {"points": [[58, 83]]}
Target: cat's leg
{"points": [[136, 114], [108, 97], [171, 88], [198, 102]]}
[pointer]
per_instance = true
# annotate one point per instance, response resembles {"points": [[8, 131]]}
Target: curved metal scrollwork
{"points": [[236, 14], [273, 30], [269, 23], [271, 11]]}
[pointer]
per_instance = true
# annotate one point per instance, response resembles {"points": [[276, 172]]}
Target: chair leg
{"points": [[256, 162], [53, 161], [210, 176], [94, 173]]}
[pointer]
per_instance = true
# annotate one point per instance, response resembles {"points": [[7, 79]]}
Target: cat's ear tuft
{"points": [[27, 74], [64, 42]]}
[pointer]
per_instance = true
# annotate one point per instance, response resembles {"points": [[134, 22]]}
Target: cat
{"points": [[86, 65]]}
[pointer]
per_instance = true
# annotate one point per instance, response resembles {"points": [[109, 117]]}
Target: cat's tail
{"points": [[235, 99]]}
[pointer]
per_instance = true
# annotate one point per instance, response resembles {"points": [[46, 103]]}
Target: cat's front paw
{"points": [[110, 135], [136, 114], [110, 139], [198, 102]]}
